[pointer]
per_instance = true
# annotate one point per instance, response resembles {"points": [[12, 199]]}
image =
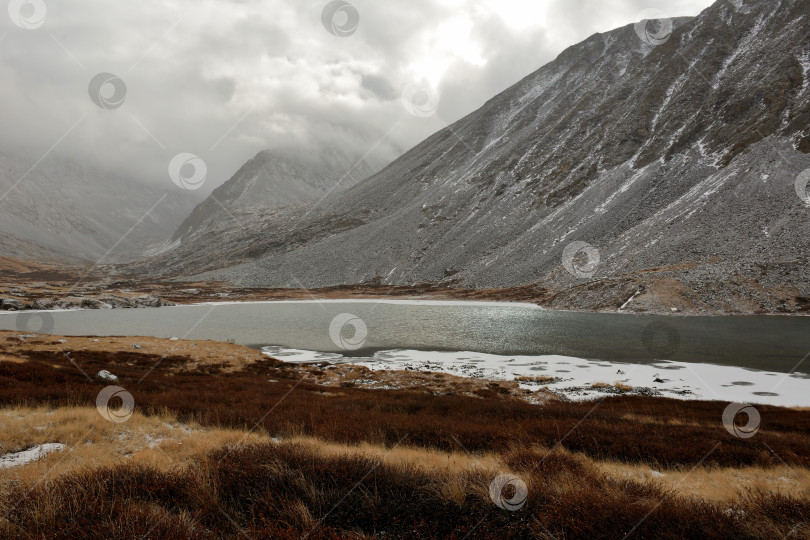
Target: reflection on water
{"points": [[775, 344]]}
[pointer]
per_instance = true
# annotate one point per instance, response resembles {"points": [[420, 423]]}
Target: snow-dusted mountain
{"points": [[58, 206], [672, 154], [278, 178]]}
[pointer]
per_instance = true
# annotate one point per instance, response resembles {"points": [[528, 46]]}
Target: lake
{"points": [[773, 343], [373, 332]]}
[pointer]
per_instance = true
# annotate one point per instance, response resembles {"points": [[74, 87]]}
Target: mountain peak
{"points": [[276, 178], [672, 154]]}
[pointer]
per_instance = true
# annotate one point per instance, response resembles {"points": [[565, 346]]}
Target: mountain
{"points": [[72, 211], [278, 178], [675, 160]]}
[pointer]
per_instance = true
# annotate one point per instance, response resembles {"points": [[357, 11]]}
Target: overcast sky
{"points": [[224, 79]]}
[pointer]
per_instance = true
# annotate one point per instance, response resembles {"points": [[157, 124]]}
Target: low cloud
{"points": [[224, 79]]}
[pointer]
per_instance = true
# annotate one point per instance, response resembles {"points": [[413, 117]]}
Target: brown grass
{"points": [[159, 440], [216, 394], [356, 462], [288, 489], [617, 385]]}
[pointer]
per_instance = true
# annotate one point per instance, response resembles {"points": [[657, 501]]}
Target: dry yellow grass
{"points": [[91, 440], [718, 484], [197, 353], [162, 442]]}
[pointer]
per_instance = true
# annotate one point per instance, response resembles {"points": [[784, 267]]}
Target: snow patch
{"points": [[31, 455], [574, 378]]}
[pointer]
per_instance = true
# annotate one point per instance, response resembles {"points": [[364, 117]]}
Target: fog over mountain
{"points": [[278, 178], [118, 90], [226, 80], [60, 209], [666, 155]]}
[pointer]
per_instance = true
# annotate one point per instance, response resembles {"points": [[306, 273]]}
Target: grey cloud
{"points": [[225, 79], [379, 86]]}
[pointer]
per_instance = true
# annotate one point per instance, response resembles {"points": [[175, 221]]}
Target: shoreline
{"points": [[43, 286], [415, 300]]}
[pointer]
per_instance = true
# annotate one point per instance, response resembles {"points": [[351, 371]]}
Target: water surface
{"points": [[776, 344]]}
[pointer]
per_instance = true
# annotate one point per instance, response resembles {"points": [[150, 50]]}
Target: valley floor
{"points": [[28, 285], [210, 440]]}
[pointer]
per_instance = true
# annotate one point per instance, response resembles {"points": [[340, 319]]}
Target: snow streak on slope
{"points": [[652, 154]]}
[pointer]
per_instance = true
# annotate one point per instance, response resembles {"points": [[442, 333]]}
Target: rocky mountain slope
{"points": [[277, 178], [63, 210], [670, 149]]}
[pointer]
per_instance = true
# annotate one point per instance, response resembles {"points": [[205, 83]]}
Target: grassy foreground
{"points": [[224, 442]]}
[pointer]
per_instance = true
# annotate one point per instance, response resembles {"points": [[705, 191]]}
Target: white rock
{"points": [[105, 375]]}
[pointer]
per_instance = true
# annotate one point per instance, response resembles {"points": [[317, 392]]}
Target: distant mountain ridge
{"points": [[676, 163], [278, 178], [75, 211]]}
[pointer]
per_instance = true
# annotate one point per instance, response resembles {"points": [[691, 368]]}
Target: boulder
{"points": [[106, 376]]}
